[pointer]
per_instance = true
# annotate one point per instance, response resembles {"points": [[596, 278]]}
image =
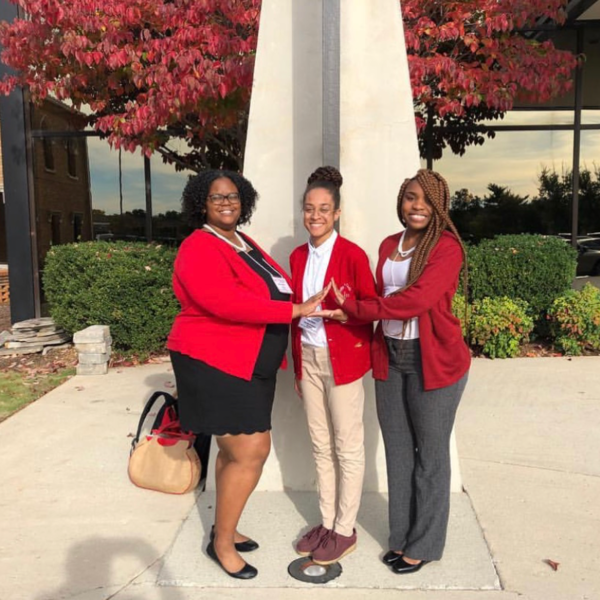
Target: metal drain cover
{"points": [[304, 569]]}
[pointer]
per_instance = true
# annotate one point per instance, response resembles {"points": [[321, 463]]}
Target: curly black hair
{"points": [[195, 196], [326, 178]]}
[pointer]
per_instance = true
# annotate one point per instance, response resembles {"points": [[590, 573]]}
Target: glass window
{"points": [[495, 186], [563, 39], [591, 68], [118, 193], [55, 227], [513, 158], [521, 117], [119, 196], [72, 152], [48, 148], [77, 227], [589, 183]]}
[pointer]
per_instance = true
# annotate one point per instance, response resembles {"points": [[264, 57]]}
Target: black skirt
{"points": [[213, 402]]}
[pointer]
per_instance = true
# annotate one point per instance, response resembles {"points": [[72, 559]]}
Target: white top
{"points": [[395, 276], [313, 330]]}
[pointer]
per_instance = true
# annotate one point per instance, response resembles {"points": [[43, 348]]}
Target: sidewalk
{"points": [[72, 526]]}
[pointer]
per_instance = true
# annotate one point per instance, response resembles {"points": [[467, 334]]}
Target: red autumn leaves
{"points": [[154, 69]]}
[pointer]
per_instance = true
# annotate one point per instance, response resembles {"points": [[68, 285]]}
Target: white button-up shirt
{"points": [[313, 282]]}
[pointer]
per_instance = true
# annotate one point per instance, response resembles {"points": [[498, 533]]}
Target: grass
{"points": [[17, 391]]}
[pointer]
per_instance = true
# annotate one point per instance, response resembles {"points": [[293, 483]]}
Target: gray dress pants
{"points": [[416, 427]]}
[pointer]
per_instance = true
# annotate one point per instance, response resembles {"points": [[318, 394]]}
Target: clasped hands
{"points": [[309, 308]]}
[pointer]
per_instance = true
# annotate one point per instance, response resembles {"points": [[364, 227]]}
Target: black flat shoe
{"points": [[390, 557], [401, 567], [246, 572], [247, 546]]}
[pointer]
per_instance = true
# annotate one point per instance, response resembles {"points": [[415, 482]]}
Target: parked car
{"points": [[588, 257]]}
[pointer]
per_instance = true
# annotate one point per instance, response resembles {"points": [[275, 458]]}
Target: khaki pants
{"points": [[335, 421]]}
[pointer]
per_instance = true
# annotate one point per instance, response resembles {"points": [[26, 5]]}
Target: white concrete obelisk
{"points": [[289, 136]]}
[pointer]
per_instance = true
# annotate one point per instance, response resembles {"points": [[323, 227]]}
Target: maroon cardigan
{"points": [[349, 343], [225, 305], [446, 357]]}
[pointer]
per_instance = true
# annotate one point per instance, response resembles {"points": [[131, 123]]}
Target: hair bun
{"points": [[330, 174]]}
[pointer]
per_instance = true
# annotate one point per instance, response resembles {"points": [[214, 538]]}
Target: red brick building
{"points": [[62, 211]]}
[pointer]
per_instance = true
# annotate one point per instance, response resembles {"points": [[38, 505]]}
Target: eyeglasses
{"points": [[219, 199], [320, 211]]}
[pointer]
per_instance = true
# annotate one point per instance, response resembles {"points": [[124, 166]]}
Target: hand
{"points": [[339, 297], [304, 309], [335, 315], [297, 388]]}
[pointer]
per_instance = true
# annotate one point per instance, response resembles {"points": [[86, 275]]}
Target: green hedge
{"points": [[575, 320], [535, 268], [124, 285]]}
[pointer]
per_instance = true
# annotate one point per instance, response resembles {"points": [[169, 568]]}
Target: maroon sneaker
{"points": [[334, 547], [310, 541]]}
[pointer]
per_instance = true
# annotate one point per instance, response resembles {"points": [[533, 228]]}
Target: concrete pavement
{"points": [[72, 526]]}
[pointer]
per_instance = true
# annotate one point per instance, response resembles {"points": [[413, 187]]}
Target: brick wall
{"points": [[61, 180]]}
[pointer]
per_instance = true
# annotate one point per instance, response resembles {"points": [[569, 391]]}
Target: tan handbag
{"points": [[165, 460], [165, 465]]}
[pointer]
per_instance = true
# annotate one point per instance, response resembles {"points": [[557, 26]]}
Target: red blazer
{"points": [[446, 357], [349, 343], [225, 305]]}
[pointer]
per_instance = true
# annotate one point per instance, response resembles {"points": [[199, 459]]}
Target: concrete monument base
{"points": [[276, 519]]}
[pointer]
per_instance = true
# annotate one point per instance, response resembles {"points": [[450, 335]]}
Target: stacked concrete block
{"points": [[32, 336], [93, 346]]}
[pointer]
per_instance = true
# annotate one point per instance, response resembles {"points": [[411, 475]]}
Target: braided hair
{"points": [[438, 194], [326, 178], [195, 196]]}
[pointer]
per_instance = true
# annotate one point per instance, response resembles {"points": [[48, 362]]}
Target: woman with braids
{"points": [[227, 344], [331, 355], [420, 363]]}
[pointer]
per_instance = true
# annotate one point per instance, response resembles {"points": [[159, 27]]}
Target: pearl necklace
{"points": [[243, 247], [404, 253]]}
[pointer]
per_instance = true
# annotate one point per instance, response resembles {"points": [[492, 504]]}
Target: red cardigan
{"points": [[349, 343], [225, 305], [446, 357]]}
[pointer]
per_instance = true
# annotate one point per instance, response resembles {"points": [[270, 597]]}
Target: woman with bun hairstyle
{"points": [[331, 355], [227, 344], [420, 363]]}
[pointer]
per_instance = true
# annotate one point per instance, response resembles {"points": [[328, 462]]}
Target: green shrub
{"points": [[458, 309], [535, 268], [124, 285], [575, 320], [498, 326]]}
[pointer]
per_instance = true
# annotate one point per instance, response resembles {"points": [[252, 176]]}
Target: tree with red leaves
{"points": [[155, 73], [152, 72], [470, 60]]}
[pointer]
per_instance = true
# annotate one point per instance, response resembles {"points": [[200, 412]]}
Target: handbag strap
{"points": [[169, 401]]}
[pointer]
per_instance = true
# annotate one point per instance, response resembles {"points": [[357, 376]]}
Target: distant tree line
{"points": [[501, 211]]}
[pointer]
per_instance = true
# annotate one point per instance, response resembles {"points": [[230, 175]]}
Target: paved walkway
{"points": [[72, 526]]}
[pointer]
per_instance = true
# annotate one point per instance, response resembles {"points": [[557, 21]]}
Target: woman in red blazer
{"points": [[226, 344], [420, 363], [330, 358]]}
